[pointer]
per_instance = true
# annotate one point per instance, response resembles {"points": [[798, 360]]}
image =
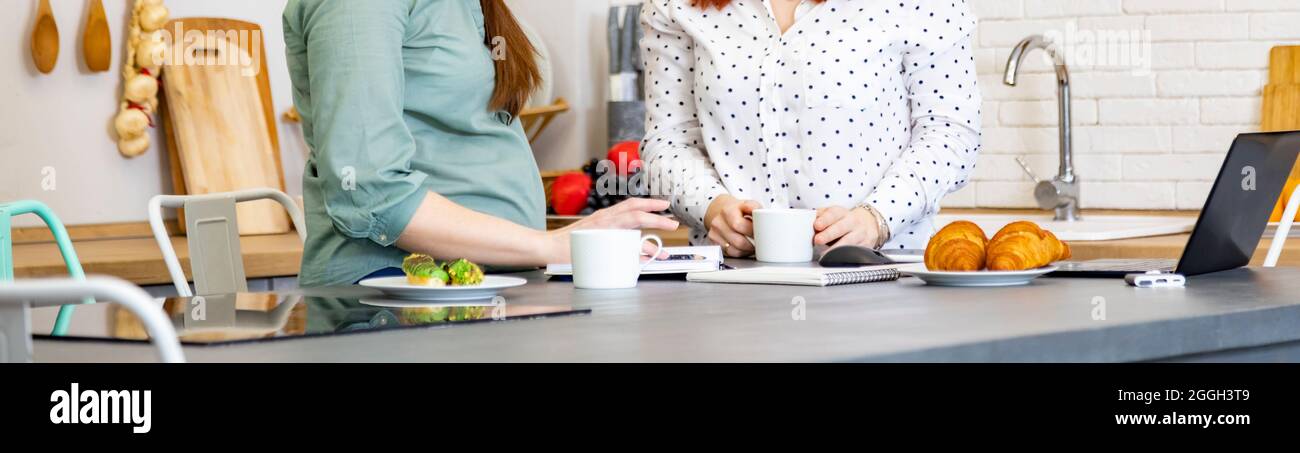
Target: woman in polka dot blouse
{"points": [[866, 110]]}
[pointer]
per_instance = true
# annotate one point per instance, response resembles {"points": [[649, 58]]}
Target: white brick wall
{"points": [[1147, 136]]}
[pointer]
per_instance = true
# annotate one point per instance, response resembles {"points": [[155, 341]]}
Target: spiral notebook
{"points": [[819, 276]]}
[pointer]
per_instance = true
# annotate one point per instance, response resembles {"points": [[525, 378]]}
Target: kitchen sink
{"points": [[1090, 228]]}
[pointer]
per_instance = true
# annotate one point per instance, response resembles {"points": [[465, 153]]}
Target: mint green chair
{"points": [[18, 208]]}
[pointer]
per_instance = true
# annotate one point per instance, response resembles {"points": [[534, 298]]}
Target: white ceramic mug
{"points": [[784, 235], [609, 259]]}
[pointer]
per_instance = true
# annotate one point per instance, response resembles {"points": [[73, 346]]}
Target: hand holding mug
{"points": [[841, 226], [730, 225]]}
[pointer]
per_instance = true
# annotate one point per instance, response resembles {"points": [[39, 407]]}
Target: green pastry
{"points": [[424, 270], [465, 273]]}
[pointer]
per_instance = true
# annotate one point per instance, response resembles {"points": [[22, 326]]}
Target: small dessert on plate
{"points": [[423, 270], [427, 280], [1021, 246], [961, 255], [464, 273], [960, 246]]}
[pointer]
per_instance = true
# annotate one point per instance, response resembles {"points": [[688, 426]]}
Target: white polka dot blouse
{"points": [[859, 102]]}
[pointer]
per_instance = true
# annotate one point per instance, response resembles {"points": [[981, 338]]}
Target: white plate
{"points": [[975, 279], [398, 287]]}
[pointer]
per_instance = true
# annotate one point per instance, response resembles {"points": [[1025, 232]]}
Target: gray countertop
{"points": [[1051, 320]]}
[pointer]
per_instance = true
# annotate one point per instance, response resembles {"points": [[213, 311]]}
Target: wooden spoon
{"points": [[97, 44], [45, 39]]}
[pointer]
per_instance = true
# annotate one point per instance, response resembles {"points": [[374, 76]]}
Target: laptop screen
{"points": [[1241, 202]]}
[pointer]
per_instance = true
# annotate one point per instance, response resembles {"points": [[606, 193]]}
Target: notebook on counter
{"points": [[832, 276], [682, 260]]}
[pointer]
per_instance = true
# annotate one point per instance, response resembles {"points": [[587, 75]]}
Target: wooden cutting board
{"points": [[1282, 107], [219, 121], [1284, 65], [1281, 112]]}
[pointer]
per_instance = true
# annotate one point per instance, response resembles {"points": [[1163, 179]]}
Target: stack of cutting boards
{"points": [[1282, 106], [219, 120]]}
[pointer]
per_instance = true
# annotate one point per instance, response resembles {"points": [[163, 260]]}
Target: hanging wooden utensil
{"points": [[45, 39], [97, 43]]}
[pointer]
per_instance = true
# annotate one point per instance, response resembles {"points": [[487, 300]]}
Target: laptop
{"points": [[1234, 219]]}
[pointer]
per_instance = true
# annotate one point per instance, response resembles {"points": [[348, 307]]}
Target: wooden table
{"points": [[1243, 314]]}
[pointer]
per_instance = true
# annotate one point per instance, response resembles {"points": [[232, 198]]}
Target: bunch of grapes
{"points": [[602, 197], [611, 182]]}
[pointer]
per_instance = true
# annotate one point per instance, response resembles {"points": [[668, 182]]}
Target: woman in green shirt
{"points": [[415, 146]]}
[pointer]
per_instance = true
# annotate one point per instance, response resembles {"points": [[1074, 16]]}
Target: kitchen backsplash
{"points": [[1161, 87]]}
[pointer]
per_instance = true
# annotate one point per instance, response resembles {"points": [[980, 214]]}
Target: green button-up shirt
{"points": [[393, 96]]}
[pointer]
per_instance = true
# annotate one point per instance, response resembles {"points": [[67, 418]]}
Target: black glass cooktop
{"points": [[243, 318]]}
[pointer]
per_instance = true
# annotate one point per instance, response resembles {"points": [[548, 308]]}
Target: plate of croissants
{"points": [[962, 255]]}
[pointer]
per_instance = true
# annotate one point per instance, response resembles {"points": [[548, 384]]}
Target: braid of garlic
{"points": [[144, 57]]}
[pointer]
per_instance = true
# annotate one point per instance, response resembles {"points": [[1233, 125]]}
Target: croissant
{"points": [[1023, 246], [960, 246]]}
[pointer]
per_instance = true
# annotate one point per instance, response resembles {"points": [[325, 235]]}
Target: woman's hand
{"points": [[633, 214], [730, 225], [840, 226]]}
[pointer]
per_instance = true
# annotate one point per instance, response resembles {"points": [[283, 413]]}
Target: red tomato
{"points": [[626, 156], [569, 193]]}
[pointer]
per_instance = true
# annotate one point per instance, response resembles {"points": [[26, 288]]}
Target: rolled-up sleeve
{"points": [[679, 170], [349, 56], [945, 104]]}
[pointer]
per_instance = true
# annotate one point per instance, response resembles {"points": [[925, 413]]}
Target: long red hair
{"points": [[517, 73], [719, 4]]}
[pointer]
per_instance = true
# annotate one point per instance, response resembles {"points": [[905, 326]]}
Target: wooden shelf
{"points": [[536, 119], [139, 261]]}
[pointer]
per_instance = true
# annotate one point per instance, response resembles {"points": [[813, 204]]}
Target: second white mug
{"points": [[784, 235]]}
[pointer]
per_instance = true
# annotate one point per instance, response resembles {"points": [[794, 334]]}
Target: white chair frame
{"points": [[150, 313], [160, 234]]}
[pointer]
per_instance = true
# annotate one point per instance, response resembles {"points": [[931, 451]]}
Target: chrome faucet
{"points": [[1061, 193]]}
